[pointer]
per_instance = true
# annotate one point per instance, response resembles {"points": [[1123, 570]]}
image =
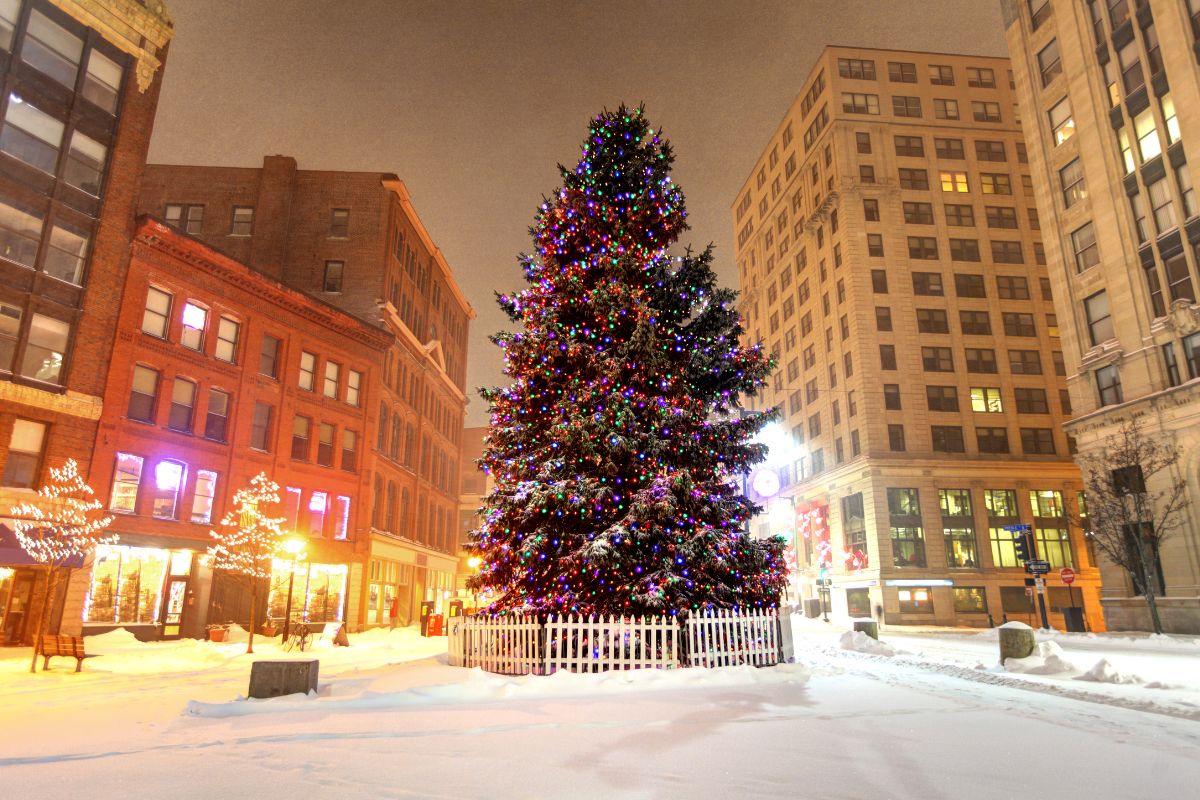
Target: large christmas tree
{"points": [[618, 448]]}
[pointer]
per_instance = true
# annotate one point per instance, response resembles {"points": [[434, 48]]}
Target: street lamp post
{"points": [[296, 548]]}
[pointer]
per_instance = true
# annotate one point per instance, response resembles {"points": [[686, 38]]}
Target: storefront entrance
{"points": [[16, 596], [173, 610]]}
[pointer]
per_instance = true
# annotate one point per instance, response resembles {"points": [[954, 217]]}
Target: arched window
{"points": [[396, 423], [169, 477], [377, 507], [381, 434], [391, 507], [405, 510], [409, 446]]}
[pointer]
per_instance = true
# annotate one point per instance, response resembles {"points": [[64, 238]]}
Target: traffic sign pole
{"points": [[1041, 594]]}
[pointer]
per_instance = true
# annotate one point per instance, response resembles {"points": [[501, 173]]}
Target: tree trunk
{"points": [[47, 600], [1148, 579], [253, 608]]}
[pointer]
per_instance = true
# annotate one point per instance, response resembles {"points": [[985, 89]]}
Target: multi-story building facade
{"points": [[219, 373], [889, 253], [1108, 89], [354, 240], [81, 87]]}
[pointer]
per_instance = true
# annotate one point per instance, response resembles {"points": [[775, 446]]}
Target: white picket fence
{"points": [[727, 637], [509, 645], [517, 645], [596, 644]]}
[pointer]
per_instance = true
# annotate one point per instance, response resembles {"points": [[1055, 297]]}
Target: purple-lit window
{"points": [[168, 481]]}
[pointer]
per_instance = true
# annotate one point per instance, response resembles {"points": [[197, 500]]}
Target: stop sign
{"points": [[1067, 574]]}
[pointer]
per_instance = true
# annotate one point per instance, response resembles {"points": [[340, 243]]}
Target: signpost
{"points": [[1026, 550], [1067, 576]]}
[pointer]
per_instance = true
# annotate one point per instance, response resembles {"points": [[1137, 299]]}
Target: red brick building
{"points": [[220, 372], [353, 239], [81, 87]]}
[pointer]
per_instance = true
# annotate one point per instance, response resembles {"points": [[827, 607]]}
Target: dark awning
{"points": [[13, 555]]}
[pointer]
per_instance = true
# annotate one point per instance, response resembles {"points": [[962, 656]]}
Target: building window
{"points": [[1083, 243], [981, 77], [932, 320], [914, 179], [964, 250], [1099, 318], [871, 210], [26, 445], [341, 517], [970, 599], [1050, 528], [866, 173], [858, 69], [928, 284], [157, 315], [969, 285], [325, 445], [922, 247], [143, 396], [300, 434], [911, 146], [1161, 206], [1108, 385], [1002, 510], [195, 319], [941, 75], [1191, 354], [1001, 217], [202, 500], [954, 181], [1012, 287], [937, 359], [102, 82], [1049, 62], [1024, 362], [183, 404], [353, 387], [945, 109], [986, 400], [896, 438], [268, 357], [980, 360], [947, 439], [958, 528], [879, 283], [332, 284], [988, 150], [915, 600], [126, 478], [907, 532], [883, 318], [187, 218], [1018, 324], [891, 396], [1037, 441], [216, 424], [260, 427], [1031, 400], [949, 149], [902, 72], [985, 111], [918, 213], [1074, 187], [349, 450], [875, 245], [169, 477], [31, 135], [858, 103], [228, 331], [995, 183], [975, 323], [243, 221], [339, 223], [291, 509], [887, 356], [127, 583], [308, 371], [333, 376], [992, 440], [941, 398]]}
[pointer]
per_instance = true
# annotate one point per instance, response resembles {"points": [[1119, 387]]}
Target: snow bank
{"points": [[859, 642], [1104, 672], [482, 687], [1047, 659]]}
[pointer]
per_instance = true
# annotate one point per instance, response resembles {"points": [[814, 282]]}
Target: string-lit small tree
{"points": [[248, 539], [68, 523]]}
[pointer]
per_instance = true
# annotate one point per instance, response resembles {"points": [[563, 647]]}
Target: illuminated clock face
{"points": [[765, 482]]}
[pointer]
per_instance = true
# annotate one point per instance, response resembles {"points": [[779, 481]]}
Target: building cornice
{"points": [[140, 28], [397, 186], [155, 235]]}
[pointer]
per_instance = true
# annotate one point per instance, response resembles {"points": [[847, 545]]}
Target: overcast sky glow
{"points": [[473, 104]]}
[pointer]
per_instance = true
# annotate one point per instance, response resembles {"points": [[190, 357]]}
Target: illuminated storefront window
{"points": [[318, 591], [127, 583]]}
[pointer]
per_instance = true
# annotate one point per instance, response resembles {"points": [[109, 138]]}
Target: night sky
{"points": [[473, 103]]}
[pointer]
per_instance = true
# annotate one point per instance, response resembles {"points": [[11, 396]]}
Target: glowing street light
{"points": [[296, 548]]}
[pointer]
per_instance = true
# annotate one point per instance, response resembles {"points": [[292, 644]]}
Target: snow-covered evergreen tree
{"points": [[617, 448]]}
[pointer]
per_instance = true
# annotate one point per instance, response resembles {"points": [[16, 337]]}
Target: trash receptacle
{"points": [[436, 626], [1073, 619], [427, 607], [812, 607]]}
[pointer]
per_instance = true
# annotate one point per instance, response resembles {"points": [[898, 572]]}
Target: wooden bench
{"points": [[67, 646]]}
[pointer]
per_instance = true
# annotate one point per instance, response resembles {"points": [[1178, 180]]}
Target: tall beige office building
{"points": [[890, 253], [1110, 92]]}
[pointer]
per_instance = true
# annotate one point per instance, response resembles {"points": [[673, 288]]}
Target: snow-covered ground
{"points": [[938, 717]]}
